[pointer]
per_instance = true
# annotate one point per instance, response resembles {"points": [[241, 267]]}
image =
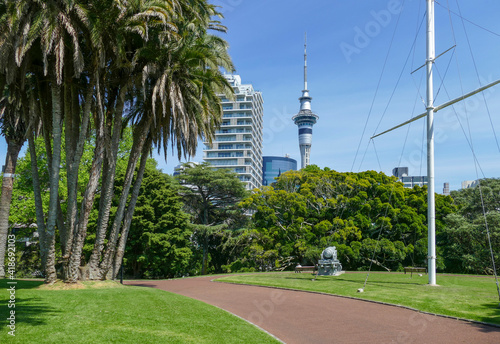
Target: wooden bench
{"points": [[412, 269], [300, 269]]}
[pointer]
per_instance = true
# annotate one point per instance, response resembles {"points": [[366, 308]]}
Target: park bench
{"points": [[300, 269], [412, 269]]}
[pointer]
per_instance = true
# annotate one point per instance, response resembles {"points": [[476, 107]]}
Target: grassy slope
{"points": [[118, 314], [467, 297]]}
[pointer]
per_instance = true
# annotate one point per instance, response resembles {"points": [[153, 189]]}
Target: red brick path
{"points": [[301, 317]]}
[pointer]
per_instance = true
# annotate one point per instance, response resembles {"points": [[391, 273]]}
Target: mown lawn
{"points": [[112, 313], [466, 297]]}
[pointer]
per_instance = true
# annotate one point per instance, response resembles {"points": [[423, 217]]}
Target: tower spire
{"points": [[305, 119], [305, 61]]}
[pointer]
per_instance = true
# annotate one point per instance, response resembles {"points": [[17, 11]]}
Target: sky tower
{"points": [[305, 119]]}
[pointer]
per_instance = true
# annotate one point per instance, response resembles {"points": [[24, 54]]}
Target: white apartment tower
{"points": [[238, 142], [305, 119]]}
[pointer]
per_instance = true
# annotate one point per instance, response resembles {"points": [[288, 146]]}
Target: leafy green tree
{"points": [[211, 196], [362, 214], [465, 237], [159, 241]]}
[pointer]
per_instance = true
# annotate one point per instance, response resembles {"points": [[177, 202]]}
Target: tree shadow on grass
{"points": [[20, 284], [354, 281], [394, 283], [492, 318], [139, 284], [28, 310], [32, 311]]}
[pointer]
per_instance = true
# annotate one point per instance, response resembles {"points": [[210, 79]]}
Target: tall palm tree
{"points": [[13, 118], [17, 113], [181, 83], [46, 28], [132, 30], [93, 62]]}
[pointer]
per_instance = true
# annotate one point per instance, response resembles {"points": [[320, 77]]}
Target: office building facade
{"points": [[274, 166], [409, 181], [238, 142]]}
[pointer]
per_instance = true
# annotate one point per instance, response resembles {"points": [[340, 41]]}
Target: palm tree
{"points": [[17, 115], [13, 119], [180, 86], [45, 29], [92, 63], [132, 30]]}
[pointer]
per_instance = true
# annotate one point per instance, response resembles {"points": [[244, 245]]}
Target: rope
{"points": [[467, 20], [401, 155], [397, 83], [381, 227], [376, 91], [479, 79], [489, 236], [476, 162], [393, 92]]}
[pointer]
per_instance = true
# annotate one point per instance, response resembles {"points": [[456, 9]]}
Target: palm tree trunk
{"points": [[13, 148], [139, 141], [74, 153], [50, 268], [47, 121], [40, 220], [130, 210], [108, 181], [75, 141], [73, 267]]}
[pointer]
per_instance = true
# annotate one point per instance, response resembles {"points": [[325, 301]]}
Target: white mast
{"points": [[431, 208], [431, 109]]}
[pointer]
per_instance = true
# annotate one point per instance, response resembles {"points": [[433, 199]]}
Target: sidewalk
{"points": [[302, 317]]}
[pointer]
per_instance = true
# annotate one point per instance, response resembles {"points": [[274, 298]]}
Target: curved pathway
{"points": [[302, 317]]}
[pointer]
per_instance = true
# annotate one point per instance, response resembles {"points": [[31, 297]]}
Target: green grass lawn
{"points": [[466, 297], [112, 313]]}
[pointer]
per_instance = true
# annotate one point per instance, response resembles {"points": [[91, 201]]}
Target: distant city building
{"points": [[305, 119], [470, 184], [408, 181], [400, 172], [274, 166], [446, 189], [238, 142]]}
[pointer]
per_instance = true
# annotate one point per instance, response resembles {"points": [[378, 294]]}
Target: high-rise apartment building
{"points": [[238, 142], [446, 189]]}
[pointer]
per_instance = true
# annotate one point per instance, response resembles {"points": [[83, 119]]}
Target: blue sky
{"points": [[266, 40], [349, 42]]}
